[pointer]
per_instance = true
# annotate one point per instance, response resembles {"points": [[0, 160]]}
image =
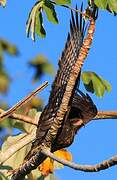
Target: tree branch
{"points": [[106, 115], [100, 116], [86, 168], [22, 102], [30, 137], [22, 117]]}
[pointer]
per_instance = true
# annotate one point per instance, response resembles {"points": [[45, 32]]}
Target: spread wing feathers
{"points": [[66, 63], [82, 107]]}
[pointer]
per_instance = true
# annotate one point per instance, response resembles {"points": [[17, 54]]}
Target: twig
{"points": [[22, 117], [22, 102], [100, 116], [86, 168], [106, 115]]}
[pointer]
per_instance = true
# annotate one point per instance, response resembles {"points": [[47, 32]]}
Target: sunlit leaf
{"points": [[7, 123], [49, 165], [95, 84], [37, 103], [110, 5], [39, 29], [35, 19], [17, 159], [32, 25], [101, 3], [23, 126], [61, 2], [3, 3], [50, 12], [1, 54], [3, 105], [41, 65], [36, 175], [3, 177], [8, 47], [48, 68], [4, 83]]}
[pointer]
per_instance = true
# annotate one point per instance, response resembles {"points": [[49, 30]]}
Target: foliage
{"points": [[95, 84], [5, 80], [41, 65], [110, 5], [35, 19], [7, 47], [3, 3]]}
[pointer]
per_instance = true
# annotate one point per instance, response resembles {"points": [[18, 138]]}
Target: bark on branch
{"points": [[101, 115], [86, 168]]}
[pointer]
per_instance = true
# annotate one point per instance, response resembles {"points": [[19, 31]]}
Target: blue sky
{"points": [[95, 142]]}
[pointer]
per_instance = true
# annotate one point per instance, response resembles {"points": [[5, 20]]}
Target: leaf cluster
{"points": [[35, 23]]}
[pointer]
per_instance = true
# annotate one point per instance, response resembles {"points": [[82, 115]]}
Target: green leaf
{"points": [[3, 3], [50, 12], [41, 65], [35, 20], [4, 83], [1, 54], [107, 85], [49, 177], [95, 84], [7, 123], [101, 3], [5, 46], [36, 175], [110, 5], [37, 103], [48, 68], [32, 24], [17, 159], [3, 177], [23, 126], [6, 167], [39, 29], [62, 2]]}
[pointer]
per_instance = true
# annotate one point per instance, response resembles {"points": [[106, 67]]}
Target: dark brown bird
{"points": [[68, 58], [81, 107]]}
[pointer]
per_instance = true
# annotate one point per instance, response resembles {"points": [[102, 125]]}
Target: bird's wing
{"points": [[66, 63]]}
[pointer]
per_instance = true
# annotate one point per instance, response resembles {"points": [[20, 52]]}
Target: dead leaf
{"points": [[49, 165]]}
